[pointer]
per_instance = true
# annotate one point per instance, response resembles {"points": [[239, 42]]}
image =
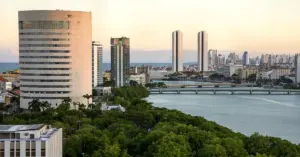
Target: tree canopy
{"points": [[148, 131]]}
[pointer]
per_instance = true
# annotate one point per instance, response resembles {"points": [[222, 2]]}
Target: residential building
{"points": [[177, 51], [202, 54], [264, 74], [55, 55], [97, 73], [297, 65], [246, 58], [5, 85], [139, 78], [229, 69], [103, 90], [278, 72], [30, 140], [120, 60], [244, 72]]}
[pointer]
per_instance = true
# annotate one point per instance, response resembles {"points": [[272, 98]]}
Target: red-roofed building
{"points": [[5, 85]]}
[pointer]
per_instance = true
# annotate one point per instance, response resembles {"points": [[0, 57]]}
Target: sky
{"points": [[256, 26]]}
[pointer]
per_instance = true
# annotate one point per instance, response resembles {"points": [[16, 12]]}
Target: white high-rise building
{"points": [[177, 51], [202, 51], [97, 73], [55, 56], [30, 141], [297, 65]]}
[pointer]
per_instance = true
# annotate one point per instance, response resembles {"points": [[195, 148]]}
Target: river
{"points": [[271, 115]]}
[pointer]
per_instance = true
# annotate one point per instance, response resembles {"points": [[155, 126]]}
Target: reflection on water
{"points": [[271, 115]]}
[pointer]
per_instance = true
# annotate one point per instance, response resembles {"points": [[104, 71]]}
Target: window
{"points": [[33, 80], [60, 57], [44, 45], [44, 51], [58, 98], [43, 152], [27, 74], [44, 24], [44, 33], [45, 68], [31, 136], [44, 86], [44, 62], [44, 39]]}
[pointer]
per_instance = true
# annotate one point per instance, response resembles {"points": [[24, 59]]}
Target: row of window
{"points": [[58, 98], [44, 45], [62, 57], [44, 24], [33, 80], [45, 68], [47, 92], [45, 62], [44, 51], [29, 152], [44, 39], [28, 74], [46, 86], [45, 33]]}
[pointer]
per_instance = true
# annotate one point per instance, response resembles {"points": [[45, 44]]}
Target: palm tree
{"points": [[34, 105], [45, 105], [66, 100], [87, 96]]}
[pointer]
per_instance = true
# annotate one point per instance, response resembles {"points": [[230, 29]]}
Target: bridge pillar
{"points": [[178, 91], [269, 91], [250, 92], [160, 92], [232, 92], [215, 92], [196, 92], [289, 92]]}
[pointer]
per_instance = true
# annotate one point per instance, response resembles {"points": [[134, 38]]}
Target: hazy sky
{"points": [[232, 25]]}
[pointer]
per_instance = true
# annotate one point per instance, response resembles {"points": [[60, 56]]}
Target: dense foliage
{"points": [[156, 85], [144, 130]]}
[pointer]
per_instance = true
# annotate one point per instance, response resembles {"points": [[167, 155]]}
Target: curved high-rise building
{"points": [[202, 55], [55, 55]]}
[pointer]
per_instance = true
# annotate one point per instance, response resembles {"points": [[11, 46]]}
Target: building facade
{"points": [[297, 65], [177, 51], [55, 55], [120, 61], [202, 56], [97, 59], [30, 141], [278, 72], [139, 78]]}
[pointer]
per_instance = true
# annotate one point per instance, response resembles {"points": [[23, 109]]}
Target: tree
{"points": [[87, 96], [66, 100], [34, 105], [45, 105], [94, 92], [251, 78]]}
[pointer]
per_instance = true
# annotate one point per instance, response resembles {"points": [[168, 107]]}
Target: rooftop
{"points": [[15, 128]]}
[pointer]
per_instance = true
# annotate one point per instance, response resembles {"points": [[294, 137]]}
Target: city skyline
{"points": [[235, 26]]}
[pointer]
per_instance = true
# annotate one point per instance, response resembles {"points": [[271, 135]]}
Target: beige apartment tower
{"points": [[177, 51], [55, 55]]}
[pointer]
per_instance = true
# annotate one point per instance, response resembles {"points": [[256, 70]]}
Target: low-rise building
{"points": [[5, 84], [107, 76], [30, 141], [229, 69], [139, 78], [278, 72], [264, 74], [103, 90], [244, 72], [105, 107], [11, 76]]}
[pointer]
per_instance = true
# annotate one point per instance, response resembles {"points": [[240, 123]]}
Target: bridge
{"points": [[210, 84], [232, 91]]}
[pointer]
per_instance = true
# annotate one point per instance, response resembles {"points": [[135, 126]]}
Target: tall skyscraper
{"points": [[246, 58], [97, 73], [202, 51], [55, 55], [297, 65], [120, 60], [177, 52]]}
